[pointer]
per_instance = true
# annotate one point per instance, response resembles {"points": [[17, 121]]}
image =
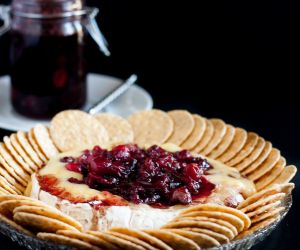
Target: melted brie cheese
{"points": [[221, 174], [132, 216], [57, 168], [229, 187]]}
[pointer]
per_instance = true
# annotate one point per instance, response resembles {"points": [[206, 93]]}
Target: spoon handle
{"points": [[112, 95]]}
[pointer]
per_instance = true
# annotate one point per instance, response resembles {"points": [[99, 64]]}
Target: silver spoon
{"points": [[112, 95]]}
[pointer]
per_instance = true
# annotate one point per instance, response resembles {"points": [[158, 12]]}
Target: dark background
{"points": [[237, 60]]}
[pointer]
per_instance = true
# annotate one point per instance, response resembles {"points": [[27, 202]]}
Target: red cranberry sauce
{"points": [[49, 183], [152, 176]]}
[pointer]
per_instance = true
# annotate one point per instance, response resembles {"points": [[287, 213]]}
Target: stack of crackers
{"points": [[201, 226]]}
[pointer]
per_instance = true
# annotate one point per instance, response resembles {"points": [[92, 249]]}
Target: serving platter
{"points": [[245, 243], [242, 224]]}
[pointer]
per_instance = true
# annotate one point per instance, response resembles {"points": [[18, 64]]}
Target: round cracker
{"points": [[200, 239], [201, 224], [197, 133], [219, 208], [248, 148], [7, 206], [261, 158], [16, 197], [121, 243], [270, 176], [22, 139], [224, 144], [16, 155], [268, 214], [285, 176], [28, 189], [133, 240], [119, 129], [263, 209], [24, 173], [6, 175], [208, 134], [238, 142], [217, 221], [260, 145], [42, 137], [232, 219], [219, 237], [74, 129], [177, 242], [258, 226], [10, 179], [3, 191], [12, 172], [18, 147], [35, 146], [183, 126], [89, 238], [263, 201], [8, 187], [49, 212], [15, 226], [263, 224], [60, 239], [273, 159], [266, 166], [286, 188], [142, 236], [219, 133], [151, 127], [41, 223]]}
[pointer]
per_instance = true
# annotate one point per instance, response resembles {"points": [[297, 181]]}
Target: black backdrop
{"points": [[237, 60]]}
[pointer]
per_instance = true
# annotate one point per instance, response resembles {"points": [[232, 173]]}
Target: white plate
{"points": [[135, 99]]}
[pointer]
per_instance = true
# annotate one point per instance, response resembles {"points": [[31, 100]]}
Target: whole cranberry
{"points": [[184, 155], [100, 181], [121, 152], [193, 186], [181, 195], [67, 159], [100, 165], [193, 171], [155, 152], [166, 162], [147, 169], [76, 181], [74, 167]]}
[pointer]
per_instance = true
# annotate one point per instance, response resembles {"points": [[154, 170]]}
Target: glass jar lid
{"points": [[47, 8]]}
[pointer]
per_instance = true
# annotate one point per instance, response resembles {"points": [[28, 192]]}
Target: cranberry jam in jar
{"points": [[48, 71]]}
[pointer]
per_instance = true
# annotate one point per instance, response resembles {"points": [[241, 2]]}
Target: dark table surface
{"points": [[237, 60]]}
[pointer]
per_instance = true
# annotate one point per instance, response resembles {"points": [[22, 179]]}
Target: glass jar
{"points": [[47, 54]]}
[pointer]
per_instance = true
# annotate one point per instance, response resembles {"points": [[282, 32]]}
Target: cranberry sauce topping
{"points": [[50, 184], [152, 176]]}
